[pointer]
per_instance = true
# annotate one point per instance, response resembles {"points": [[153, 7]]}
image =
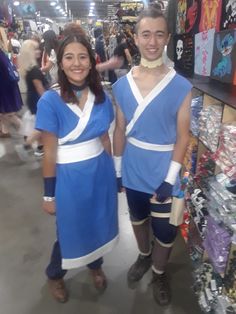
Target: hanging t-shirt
{"points": [[228, 19], [210, 15], [192, 16], [181, 16]]}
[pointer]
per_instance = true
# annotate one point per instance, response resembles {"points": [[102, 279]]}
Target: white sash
{"points": [[83, 121], [80, 151], [144, 102]]}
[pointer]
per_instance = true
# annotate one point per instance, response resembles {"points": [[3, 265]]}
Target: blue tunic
{"points": [[144, 170], [86, 192]]}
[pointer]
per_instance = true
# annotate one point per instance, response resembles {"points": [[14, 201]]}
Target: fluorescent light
{"points": [[53, 3], [16, 3], [58, 7]]}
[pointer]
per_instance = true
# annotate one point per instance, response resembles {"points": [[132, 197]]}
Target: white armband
{"points": [[173, 172], [117, 164]]}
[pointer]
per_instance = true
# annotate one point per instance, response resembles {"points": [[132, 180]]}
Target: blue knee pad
{"points": [[162, 229], [139, 204]]}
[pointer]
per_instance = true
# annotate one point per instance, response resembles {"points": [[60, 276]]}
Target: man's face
{"points": [[151, 37]]}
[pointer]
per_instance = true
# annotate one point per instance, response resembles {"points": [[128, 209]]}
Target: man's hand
{"points": [[164, 191]]}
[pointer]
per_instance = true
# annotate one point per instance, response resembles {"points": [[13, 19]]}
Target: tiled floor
{"points": [[26, 237]]}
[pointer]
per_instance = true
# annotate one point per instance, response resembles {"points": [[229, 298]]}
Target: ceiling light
{"points": [[53, 3], [16, 3], [92, 3], [58, 7]]}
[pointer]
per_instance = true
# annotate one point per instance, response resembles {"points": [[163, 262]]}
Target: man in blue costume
{"points": [[150, 140]]}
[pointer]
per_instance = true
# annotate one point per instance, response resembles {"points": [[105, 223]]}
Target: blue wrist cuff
{"points": [[49, 186]]}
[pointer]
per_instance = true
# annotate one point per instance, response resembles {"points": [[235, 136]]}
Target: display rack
{"points": [[216, 290]]}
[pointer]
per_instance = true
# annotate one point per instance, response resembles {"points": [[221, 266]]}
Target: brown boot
{"points": [[161, 289], [99, 279], [58, 290]]}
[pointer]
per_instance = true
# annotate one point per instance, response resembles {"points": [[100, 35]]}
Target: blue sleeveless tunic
{"points": [[144, 170]]}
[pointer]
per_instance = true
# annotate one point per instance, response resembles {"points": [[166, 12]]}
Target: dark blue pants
{"points": [[54, 270]]}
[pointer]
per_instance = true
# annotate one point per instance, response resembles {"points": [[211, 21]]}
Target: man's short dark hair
{"points": [[152, 13]]}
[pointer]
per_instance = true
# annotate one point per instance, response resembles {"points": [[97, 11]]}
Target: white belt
{"points": [[78, 152], [149, 146]]}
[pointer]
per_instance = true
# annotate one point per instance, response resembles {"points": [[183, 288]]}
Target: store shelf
{"points": [[225, 93]]}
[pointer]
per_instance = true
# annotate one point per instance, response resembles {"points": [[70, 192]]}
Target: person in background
{"points": [[121, 60], [49, 58], [100, 44], [36, 84], [150, 140], [72, 28], [78, 171], [10, 97]]}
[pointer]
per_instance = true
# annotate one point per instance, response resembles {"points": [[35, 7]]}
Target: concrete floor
{"points": [[26, 238]]}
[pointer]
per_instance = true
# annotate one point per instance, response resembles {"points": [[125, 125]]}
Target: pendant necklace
{"points": [[78, 89]]}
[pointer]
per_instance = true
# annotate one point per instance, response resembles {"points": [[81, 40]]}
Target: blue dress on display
{"points": [[151, 129], [86, 192], [10, 97]]}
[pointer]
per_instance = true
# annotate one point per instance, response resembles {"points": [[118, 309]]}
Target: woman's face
{"points": [[76, 63]]}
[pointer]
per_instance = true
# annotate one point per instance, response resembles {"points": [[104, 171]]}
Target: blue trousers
{"points": [[54, 270]]}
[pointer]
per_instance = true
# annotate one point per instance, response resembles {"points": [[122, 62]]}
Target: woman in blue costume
{"points": [[79, 176], [150, 141]]}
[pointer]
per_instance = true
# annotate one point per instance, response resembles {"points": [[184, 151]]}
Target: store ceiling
{"points": [[79, 8]]}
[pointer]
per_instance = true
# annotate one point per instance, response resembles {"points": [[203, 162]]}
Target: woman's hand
{"points": [[49, 207]]}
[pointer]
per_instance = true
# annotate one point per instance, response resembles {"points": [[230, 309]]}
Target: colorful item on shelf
{"points": [[196, 107], [190, 158], [209, 125], [217, 244], [210, 15], [224, 62], [184, 54], [204, 43], [205, 169], [225, 155], [230, 276]]}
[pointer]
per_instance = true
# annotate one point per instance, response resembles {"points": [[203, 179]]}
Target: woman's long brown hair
{"points": [[93, 79]]}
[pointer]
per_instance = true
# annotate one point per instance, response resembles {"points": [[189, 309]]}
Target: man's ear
{"points": [[168, 39]]}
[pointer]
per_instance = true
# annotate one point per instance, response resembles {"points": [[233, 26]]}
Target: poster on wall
{"points": [[228, 19], [210, 15], [184, 54], [204, 43], [224, 62]]}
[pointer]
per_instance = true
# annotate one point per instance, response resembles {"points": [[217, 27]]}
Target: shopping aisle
{"points": [[26, 238]]}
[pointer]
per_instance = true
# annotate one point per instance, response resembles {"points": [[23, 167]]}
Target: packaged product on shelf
{"points": [[225, 156], [190, 159], [209, 125], [217, 244], [196, 107], [205, 169]]}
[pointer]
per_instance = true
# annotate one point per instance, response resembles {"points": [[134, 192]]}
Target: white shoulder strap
{"points": [[83, 121], [144, 102]]}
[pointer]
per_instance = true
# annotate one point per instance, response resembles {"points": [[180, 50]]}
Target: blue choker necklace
{"points": [[78, 89]]}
